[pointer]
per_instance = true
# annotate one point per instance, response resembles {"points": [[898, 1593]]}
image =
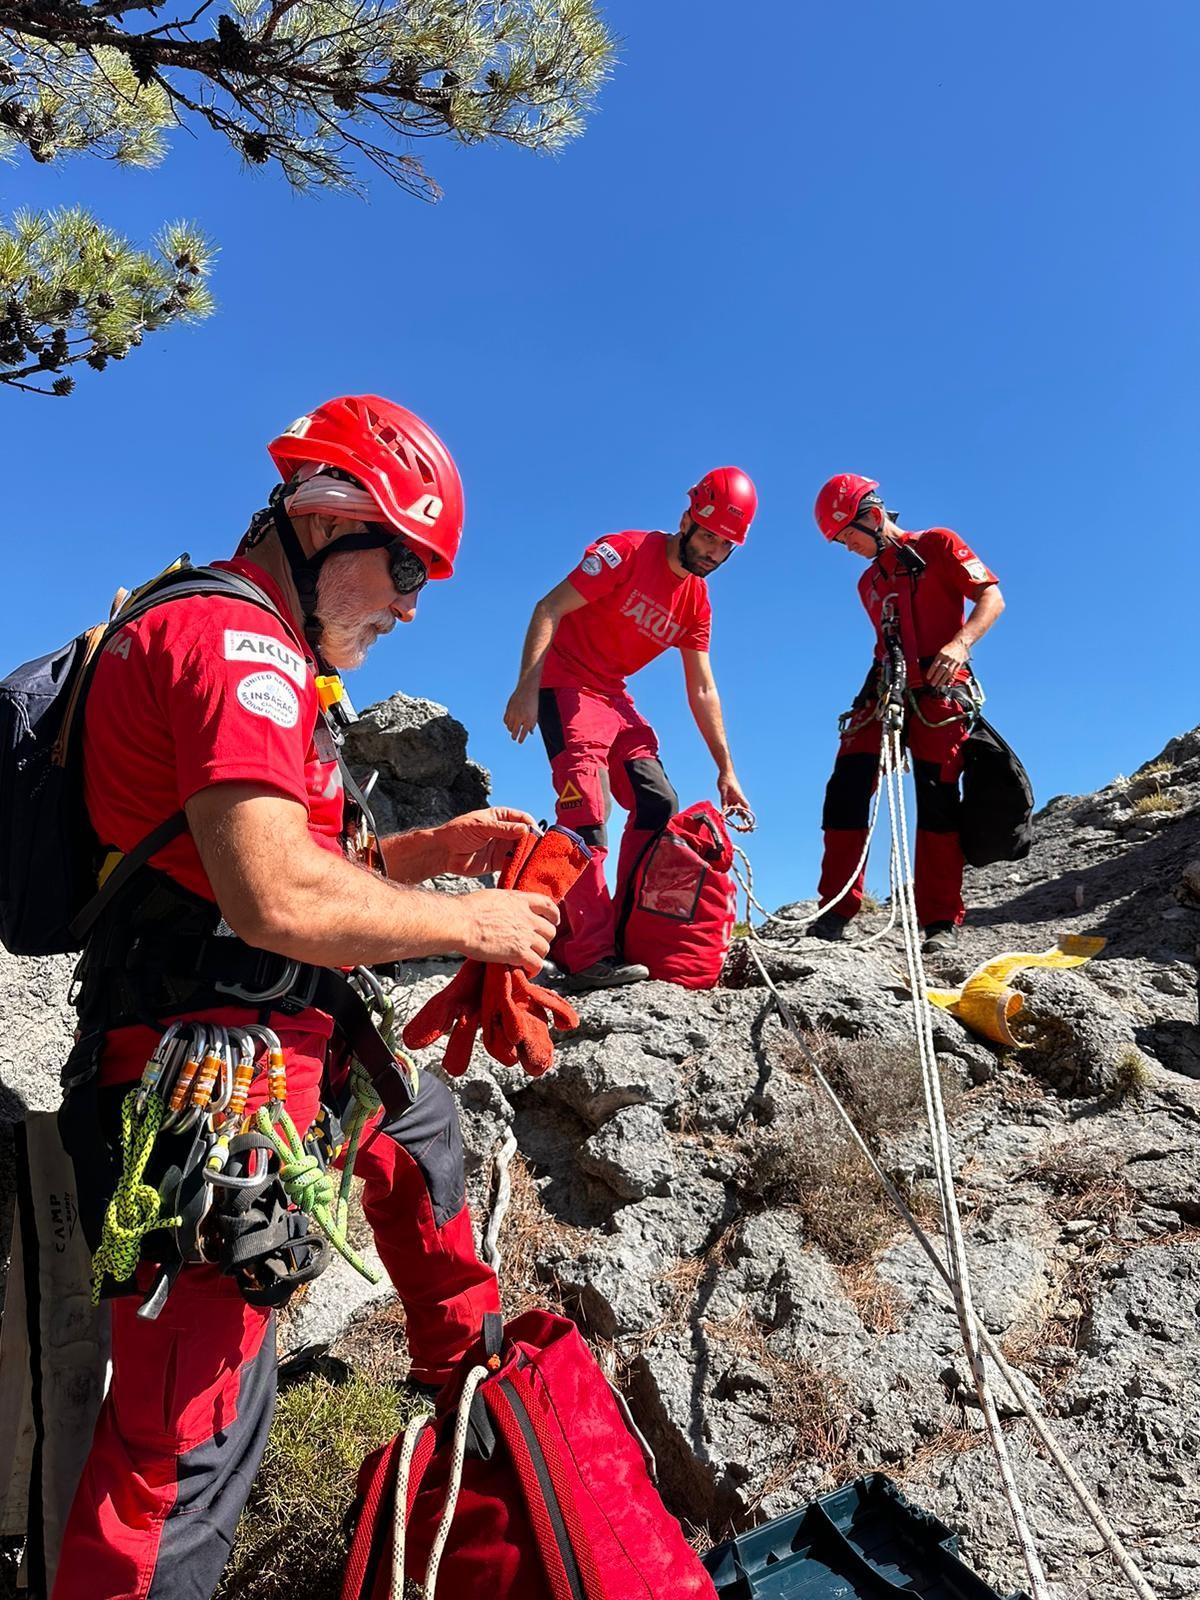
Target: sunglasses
{"points": [[408, 572]]}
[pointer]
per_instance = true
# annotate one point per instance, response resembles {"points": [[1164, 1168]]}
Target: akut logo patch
{"points": [[651, 618]]}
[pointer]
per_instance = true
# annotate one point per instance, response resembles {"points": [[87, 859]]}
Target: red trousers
{"points": [[934, 733], [185, 1422], [600, 747]]}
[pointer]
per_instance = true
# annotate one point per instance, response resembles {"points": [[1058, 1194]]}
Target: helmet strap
{"points": [[306, 569]]}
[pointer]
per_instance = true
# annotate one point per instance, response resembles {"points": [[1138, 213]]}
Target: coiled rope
{"points": [[136, 1206]]}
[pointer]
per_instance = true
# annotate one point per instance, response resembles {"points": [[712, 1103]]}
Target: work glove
{"points": [[511, 1010]]}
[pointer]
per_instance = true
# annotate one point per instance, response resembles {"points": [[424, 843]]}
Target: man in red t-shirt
{"points": [[914, 590], [632, 596], [209, 705]]}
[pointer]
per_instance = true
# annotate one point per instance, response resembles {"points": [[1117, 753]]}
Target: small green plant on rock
{"points": [[289, 1544], [1132, 1078]]}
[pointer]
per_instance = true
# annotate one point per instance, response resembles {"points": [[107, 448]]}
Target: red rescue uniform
{"points": [[929, 609], [200, 691], [599, 744]]}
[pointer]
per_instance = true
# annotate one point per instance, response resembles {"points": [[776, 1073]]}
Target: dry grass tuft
{"points": [[808, 1410], [1133, 1076], [811, 1165], [1080, 1177], [1157, 800], [880, 1084], [879, 1304], [1079, 1174]]}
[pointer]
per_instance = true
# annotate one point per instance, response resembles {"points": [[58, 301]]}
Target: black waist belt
{"points": [[223, 970]]}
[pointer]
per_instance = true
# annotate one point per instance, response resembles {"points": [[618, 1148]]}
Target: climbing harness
{"points": [[236, 1190], [887, 698]]}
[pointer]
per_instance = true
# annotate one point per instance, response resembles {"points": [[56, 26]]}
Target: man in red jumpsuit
{"points": [[210, 704], [632, 596], [916, 584]]}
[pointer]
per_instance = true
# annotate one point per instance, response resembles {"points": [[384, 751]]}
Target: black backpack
{"points": [[995, 823], [49, 854]]}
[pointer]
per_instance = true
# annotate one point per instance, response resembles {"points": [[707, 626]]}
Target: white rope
{"points": [[408, 1445], [412, 1435], [1016, 1381], [960, 1281], [788, 941], [474, 1378], [504, 1155]]}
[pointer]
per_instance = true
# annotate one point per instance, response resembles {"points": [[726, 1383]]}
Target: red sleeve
{"points": [[957, 562], [604, 567], [237, 695]]}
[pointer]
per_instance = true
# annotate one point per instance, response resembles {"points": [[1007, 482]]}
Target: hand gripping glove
{"points": [[511, 1010]]}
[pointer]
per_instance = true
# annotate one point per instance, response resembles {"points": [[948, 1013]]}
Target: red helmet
{"points": [[839, 500], [724, 502], [398, 459]]}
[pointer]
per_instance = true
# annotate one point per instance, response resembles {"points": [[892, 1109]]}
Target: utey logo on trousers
{"points": [[262, 650], [651, 618]]}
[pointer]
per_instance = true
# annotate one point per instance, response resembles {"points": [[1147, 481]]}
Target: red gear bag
{"points": [[679, 905], [555, 1503]]}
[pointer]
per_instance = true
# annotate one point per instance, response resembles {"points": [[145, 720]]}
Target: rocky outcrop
{"points": [[420, 754], [683, 1190], [776, 1330]]}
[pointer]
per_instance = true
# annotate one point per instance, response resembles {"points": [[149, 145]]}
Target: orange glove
{"points": [[514, 1020], [511, 1010]]}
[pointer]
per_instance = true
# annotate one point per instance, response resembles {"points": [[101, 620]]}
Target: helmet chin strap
{"points": [[306, 569], [684, 541]]}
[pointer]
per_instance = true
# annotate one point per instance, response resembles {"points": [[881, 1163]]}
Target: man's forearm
{"points": [[706, 709], [984, 613], [538, 638], [333, 913], [413, 856]]}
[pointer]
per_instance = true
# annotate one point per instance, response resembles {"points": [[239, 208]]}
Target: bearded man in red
{"points": [[212, 756], [632, 596], [913, 591]]}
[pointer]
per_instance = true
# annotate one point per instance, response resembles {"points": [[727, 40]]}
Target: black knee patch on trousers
{"points": [[849, 790], [938, 803], [654, 800], [550, 723], [429, 1131], [594, 835], [213, 1484]]}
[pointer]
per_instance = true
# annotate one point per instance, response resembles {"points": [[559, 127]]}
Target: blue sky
{"points": [[951, 246]]}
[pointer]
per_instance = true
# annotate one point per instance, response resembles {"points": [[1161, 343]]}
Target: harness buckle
{"points": [[269, 991]]}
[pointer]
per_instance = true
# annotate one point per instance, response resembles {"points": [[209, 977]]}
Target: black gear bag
{"points": [[995, 822], [49, 855]]}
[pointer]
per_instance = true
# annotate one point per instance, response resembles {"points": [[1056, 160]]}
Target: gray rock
{"points": [[631, 1154]]}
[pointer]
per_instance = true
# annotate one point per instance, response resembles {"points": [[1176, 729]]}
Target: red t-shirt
{"points": [[205, 690], [931, 607], [637, 608]]}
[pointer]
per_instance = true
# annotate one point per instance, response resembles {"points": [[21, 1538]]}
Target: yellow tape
{"points": [[988, 1006]]}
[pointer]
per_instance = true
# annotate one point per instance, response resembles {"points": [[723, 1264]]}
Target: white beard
{"points": [[346, 634]]}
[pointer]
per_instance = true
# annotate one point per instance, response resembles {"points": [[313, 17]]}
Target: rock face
{"points": [[683, 1189]]}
